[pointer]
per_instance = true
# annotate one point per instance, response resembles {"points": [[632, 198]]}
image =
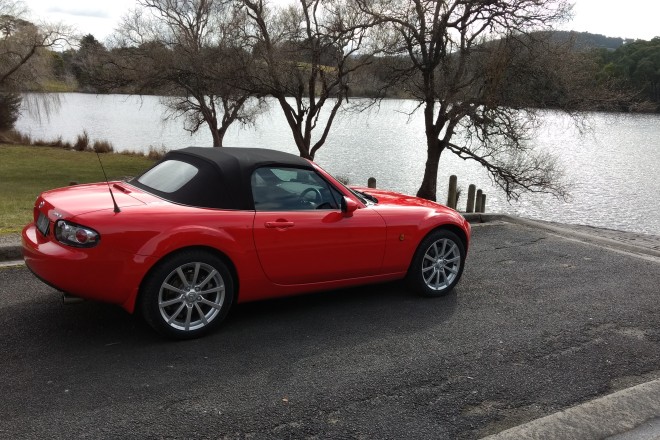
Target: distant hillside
{"points": [[586, 40]]}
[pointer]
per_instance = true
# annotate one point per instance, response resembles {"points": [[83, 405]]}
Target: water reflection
{"points": [[613, 166]]}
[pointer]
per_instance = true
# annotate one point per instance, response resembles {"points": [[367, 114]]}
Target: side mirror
{"points": [[348, 206]]}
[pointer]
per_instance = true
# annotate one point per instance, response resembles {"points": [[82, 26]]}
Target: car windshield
{"points": [[367, 199]]}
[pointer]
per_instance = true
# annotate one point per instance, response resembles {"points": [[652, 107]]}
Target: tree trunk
{"points": [[291, 115], [222, 131], [429, 185], [217, 137]]}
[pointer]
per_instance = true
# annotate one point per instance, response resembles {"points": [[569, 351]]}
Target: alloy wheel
{"points": [[191, 296], [441, 264]]}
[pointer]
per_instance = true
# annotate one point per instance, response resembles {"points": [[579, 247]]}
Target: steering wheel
{"points": [[317, 196]]}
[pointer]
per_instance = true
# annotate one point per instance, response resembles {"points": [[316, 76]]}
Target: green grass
{"points": [[25, 172], [57, 87]]}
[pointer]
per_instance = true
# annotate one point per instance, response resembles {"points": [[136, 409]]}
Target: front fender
{"points": [[449, 219]]}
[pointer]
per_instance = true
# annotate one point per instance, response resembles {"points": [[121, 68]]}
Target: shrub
{"points": [[15, 137], [59, 143], [103, 147], [156, 153], [82, 142]]}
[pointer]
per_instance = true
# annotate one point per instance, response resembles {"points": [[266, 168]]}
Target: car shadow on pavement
{"points": [[346, 317]]}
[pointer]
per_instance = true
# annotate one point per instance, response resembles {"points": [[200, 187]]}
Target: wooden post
{"points": [[477, 201], [451, 192], [470, 200], [371, 183], [483, 203]]}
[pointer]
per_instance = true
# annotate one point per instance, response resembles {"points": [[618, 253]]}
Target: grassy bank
{"points": [[27, 171]]}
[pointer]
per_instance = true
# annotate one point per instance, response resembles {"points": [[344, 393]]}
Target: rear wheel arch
{"points": [[188, 293], [211, 250]]}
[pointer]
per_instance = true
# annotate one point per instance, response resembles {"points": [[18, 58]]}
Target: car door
{"points": [[303, 237]]}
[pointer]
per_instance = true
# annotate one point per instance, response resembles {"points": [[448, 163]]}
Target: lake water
{"points": [[613, 166]]}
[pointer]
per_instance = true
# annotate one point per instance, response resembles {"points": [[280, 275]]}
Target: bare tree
{"points": [[25, 61], [307, 52], [469, 62], [192, 52]]}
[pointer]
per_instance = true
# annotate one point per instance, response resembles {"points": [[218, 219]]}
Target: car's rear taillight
{"points": [[75, 235]]}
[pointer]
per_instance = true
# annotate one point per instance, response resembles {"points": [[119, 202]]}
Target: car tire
{"points": [[437, 264], [187, 294]]}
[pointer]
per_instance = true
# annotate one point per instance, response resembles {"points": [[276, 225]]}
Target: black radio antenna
{"points": [[114, 202]]}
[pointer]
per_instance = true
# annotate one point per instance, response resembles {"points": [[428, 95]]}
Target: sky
{"points": [[613, 18]]}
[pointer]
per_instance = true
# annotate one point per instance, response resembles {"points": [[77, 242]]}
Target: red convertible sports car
{"points": [[205, 228]]}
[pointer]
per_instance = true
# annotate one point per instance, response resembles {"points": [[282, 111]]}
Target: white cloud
{"points": [[80, 12], [96, 17], [630, 19]]}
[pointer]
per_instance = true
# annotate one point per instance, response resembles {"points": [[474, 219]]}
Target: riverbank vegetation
{"points": [[82, 143], [26, 171], [633, 64], [481, 69], [636, 67]]}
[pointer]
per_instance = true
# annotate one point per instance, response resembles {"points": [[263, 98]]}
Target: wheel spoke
{"points": [[195, 275], [202, 316], [444, 246], [174, 315], [437, 278], [453, 260], [182, 276], [453, 250], [210, 276], [430, 258], [214, 290], [435, 250], [428, 280], [188, 315], [174, 289], [211, 303], [426, 269], [171, 302]]}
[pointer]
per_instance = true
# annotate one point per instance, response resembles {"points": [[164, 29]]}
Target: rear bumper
{"points": [[98, 273]]}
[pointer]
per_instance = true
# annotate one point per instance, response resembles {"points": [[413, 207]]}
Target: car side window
{"points": [[291, 189]]}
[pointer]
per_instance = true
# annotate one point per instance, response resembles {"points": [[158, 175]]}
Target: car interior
{"points": [[291, 189]]}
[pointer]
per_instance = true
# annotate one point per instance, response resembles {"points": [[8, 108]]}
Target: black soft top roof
{"points": [[224, 175], [235, 161]]}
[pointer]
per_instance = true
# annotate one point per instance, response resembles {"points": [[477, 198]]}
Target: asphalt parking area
{"points": [[537, 324]]}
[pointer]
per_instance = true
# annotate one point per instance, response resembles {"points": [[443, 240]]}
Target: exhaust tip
{"points": [[68, 300]]}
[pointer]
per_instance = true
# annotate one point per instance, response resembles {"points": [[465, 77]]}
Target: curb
{"points": [[629, 411], [10, 252], [485, 218]]}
